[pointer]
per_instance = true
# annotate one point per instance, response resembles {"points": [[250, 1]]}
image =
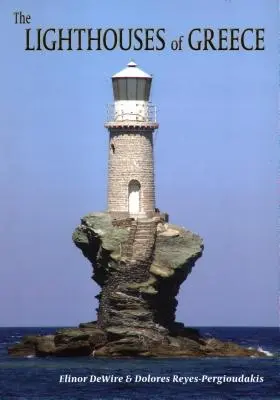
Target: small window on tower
{"points": [[112, 148]]}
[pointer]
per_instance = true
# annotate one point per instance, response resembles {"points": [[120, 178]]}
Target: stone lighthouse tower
{"points": [[131, 123]]}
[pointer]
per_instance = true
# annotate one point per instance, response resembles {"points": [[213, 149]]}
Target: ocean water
{"points": [[38, 379]]}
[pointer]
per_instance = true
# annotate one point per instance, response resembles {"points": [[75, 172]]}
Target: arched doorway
{"points": [[134, 197]]}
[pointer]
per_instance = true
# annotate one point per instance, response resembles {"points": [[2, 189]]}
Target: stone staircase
{"points": [[144, 239], [140, 243], [123, 305], [127, 247]]}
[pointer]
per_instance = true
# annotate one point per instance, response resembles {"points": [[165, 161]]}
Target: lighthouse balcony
{"points": [[137, 116]]}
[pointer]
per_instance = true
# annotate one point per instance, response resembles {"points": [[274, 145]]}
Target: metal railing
{"points": [[147, 114]]}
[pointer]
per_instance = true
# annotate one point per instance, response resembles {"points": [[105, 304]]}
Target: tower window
{"points": [[112, 148]]}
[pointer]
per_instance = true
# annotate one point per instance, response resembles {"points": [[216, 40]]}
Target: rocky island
{"points": [[139, 266]]}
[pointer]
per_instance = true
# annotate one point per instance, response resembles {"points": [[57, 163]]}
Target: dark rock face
{"points": [[139, 266]]}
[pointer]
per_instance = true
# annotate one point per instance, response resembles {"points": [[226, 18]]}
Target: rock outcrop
{"points": [[139, 266]]}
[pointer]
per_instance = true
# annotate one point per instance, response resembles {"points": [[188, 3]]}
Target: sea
{"points": [[31, 378]]}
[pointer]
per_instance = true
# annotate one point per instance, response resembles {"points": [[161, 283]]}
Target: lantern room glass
{"points": [[132, 88]]}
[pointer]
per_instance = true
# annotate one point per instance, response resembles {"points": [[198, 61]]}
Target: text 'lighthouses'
{"points": [[131, 123]]}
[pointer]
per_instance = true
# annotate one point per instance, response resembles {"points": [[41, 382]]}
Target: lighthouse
{"points": [[131, 121]]}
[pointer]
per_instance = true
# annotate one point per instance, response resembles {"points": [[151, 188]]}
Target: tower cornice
{"points": [[136, 125]]}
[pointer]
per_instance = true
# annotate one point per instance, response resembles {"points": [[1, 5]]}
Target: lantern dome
{"points": [[132, 71], [131, 84]]}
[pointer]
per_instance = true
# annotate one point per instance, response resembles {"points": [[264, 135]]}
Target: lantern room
{"points": [[131, 90], [131, 84]]}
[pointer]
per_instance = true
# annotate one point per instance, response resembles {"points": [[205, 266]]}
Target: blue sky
{"points": [[215, 157]]}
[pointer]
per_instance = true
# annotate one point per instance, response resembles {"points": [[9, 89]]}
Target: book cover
{"points": [[139, 239]]}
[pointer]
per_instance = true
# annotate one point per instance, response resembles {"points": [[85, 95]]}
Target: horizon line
{"points": [[190, 326]]}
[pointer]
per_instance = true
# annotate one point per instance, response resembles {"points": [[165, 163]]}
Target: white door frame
{"points": [[134, 197]]}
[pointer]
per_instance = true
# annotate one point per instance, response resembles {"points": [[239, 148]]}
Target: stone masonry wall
{"points": [[131, 157]]}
